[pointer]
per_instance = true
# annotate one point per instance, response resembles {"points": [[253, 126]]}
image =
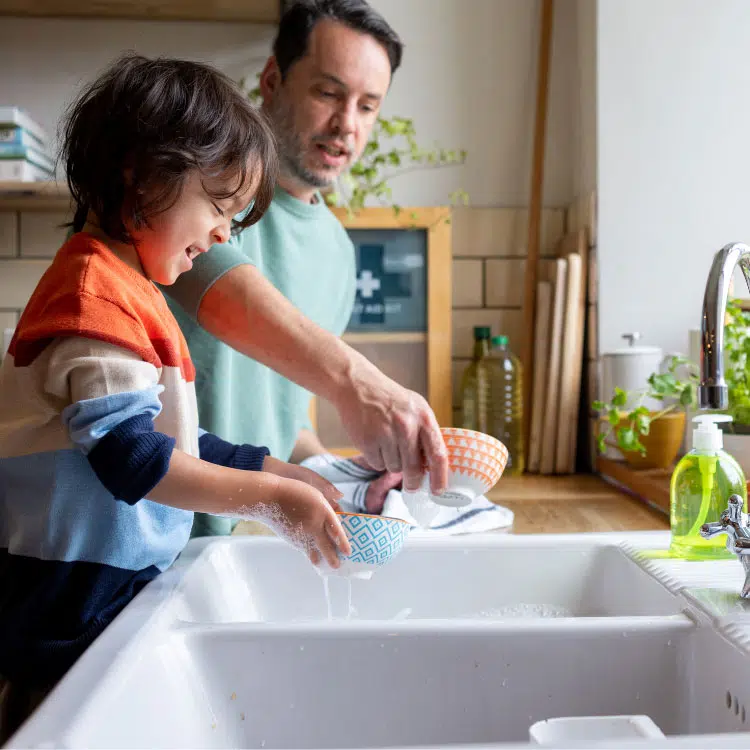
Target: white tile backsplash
{"points": [[8, 234], [8, 321], [17, 281], [42, 233]]}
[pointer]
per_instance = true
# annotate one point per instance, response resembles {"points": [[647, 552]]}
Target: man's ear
{"points": [[270, 79]]}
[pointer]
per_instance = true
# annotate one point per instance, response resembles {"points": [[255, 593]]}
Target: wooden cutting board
{"points": [[549, 422], [571, 365], [541, 362]]}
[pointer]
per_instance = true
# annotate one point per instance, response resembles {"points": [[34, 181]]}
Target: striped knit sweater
{"points": [[96, 392]]}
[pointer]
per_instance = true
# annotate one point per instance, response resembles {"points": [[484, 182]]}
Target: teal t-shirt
{"points": [[305, 252]]}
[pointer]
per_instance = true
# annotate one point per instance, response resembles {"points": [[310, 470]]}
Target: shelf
{"points": [[649, 485], [384, 337], [246, 11], [34, 196]]}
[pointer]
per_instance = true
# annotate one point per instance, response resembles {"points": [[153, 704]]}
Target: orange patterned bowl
{"points": [[476, 462]]}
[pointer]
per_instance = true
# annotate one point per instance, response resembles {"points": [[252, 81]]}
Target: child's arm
{"points": [[294, 509], [114, 397], [252, 458]]}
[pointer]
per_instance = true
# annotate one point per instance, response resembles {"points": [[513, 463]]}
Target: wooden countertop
{"points": [[559, 505], [573, 504]]}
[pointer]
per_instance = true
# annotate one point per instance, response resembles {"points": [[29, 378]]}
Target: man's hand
{"points": [[393, 427], [378, 489], [308, 444]]}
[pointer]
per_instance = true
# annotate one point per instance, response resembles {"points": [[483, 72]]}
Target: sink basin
{"points": [[460, 643], [241, 687], [265, 580]]}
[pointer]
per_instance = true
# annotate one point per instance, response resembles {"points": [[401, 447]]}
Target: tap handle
{"points": [[730, 523], [734, 510]]}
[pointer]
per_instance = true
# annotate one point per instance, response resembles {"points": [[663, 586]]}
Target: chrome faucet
{"points": [[712, 392], [738, 536]]}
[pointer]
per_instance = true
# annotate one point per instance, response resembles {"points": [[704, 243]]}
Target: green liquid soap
{"points": [[700, 487]]}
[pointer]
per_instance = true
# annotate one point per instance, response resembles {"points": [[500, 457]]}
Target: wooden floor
{"points": [[560, 505]]}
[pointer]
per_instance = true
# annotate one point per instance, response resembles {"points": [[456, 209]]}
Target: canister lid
{"points": [[631, 349]]}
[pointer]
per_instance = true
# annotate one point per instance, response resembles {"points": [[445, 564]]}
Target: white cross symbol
{"points": [[367, 284]]}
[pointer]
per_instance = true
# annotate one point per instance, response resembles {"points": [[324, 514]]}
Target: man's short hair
{"points": [[300, 19]]}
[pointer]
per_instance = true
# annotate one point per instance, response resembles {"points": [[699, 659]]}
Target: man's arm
{"points": [[393, 427], [307, 445]]}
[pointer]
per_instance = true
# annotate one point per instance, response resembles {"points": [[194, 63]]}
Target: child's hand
{"points": [[305, 517], [301, 474]]}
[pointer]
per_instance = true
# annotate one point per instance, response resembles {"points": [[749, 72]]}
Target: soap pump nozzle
{"points": [[707, 436]]}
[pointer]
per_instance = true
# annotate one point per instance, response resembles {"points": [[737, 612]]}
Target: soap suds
{"points": [[272, 516]]}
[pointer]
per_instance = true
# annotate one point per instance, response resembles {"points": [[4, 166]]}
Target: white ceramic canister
{"points": [[629, 368]]}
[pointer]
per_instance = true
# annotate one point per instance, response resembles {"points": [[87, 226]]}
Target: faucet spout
{"points": [[712, 392]]}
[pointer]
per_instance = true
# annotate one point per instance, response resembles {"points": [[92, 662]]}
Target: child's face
{"points": [[167, 247]]}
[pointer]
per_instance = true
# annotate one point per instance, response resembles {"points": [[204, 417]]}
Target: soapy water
{"points": [[351, 611], [271, 515], [521, 610], [517, 610]]}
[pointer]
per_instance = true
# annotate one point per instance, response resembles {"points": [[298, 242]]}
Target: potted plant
{"points": [[647, 438], [737, 377]]}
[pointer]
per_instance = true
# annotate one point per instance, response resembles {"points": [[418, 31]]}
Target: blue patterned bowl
{"points": [[375, 541]]}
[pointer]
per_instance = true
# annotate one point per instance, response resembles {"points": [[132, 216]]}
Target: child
{"points": [[97, 399]]}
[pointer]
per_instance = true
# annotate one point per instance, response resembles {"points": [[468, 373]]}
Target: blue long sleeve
{"points": [[132, 459], [217, 451]]}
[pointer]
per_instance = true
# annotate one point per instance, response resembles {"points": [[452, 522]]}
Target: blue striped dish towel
{"points": [[430, 519]]}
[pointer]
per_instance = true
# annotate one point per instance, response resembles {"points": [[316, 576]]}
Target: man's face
{"points": [[323, 113]]}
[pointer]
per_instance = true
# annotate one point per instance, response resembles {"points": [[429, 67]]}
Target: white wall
{"points": [[673, 158], [468, 80], [584, 99]]}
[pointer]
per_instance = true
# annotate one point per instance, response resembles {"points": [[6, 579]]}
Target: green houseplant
{"points": [[393, 150], [737, 377], [649, 438], [737, 374]]}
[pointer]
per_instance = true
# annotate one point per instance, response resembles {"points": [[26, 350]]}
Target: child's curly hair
{"points": [[134, 134]]}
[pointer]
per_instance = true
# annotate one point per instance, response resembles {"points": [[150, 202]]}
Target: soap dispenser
{"points": [[701, 483]]}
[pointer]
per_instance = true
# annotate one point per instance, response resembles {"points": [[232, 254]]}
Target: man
{"points": [[271, 304]]}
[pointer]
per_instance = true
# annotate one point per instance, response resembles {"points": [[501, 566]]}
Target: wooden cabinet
{"points": [[250, 11], [402, 314]]}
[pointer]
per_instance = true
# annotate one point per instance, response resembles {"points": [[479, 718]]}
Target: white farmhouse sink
{"points": [[234, 648], [237, 687], [265, 580]]}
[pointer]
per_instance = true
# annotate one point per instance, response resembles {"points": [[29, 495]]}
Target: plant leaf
{"points": [[626, 439], [642, 423]]}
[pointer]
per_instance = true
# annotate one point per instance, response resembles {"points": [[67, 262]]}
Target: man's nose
{"points": [[346, 118]]}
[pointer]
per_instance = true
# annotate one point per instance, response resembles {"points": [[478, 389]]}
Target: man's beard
{"points": [[291, 148]]}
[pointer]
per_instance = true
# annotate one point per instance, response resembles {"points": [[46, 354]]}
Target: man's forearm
{"points": [[243, 309], [393, 427], [307, 445]]}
